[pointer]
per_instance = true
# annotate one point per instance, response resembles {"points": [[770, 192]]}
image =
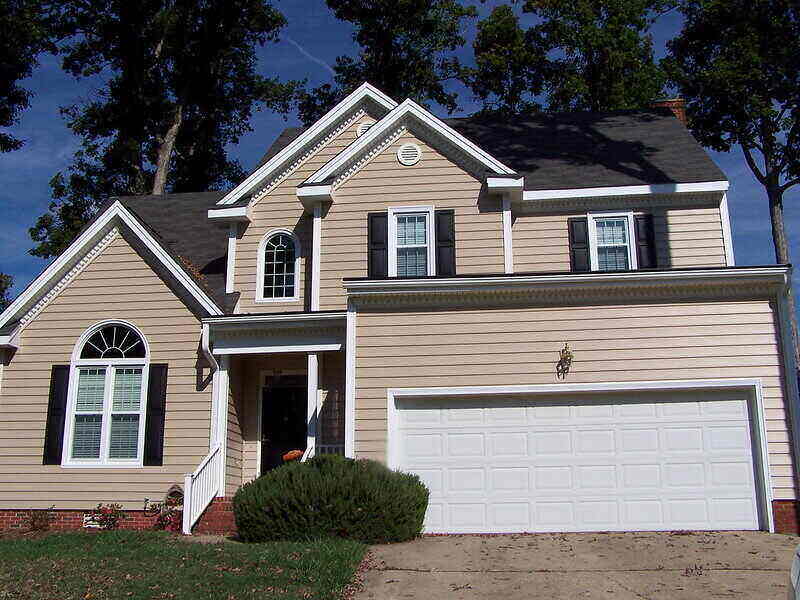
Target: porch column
{"points": [[311, 410], [219, 416]]}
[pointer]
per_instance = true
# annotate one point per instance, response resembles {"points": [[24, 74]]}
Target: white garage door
{"points": [[652, 461]]}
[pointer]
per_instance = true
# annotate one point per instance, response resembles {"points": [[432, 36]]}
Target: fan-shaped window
{"points": [[107, 397], [278, 268], [114, 341]]}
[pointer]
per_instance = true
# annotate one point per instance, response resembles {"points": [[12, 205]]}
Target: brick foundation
{"points": [[62, 520], [217, 519], [786, 516]]}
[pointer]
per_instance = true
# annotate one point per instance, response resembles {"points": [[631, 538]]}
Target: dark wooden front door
{"points": [[283, 424]]}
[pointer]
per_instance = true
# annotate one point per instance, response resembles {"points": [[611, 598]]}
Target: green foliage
{"points": [[331, 496], [405, 52], [510, 64], [582, 55], [180, 85], [6, 281], [108, 516], [146, 565], [737, 63], [25, 33]]}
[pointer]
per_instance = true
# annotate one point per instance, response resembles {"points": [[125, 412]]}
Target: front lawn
{"points": [[122, 565]]}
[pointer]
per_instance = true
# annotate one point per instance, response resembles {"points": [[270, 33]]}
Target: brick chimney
{"points": [[676, 105]]}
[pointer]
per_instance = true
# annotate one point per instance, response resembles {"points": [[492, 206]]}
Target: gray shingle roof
{"points": [[180, 222], [578, 150], [582, 149]]}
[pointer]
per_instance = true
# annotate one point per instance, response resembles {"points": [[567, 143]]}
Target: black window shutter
{"points": [[378, 245], [56, 415], [156, 409], [445, 243], [579, 244], [645, 242]]}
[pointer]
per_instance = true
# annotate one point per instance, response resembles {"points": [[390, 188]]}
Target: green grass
{"points": [[152, 565]]}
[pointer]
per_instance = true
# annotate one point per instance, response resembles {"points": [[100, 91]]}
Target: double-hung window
{"points": [[411, 242], [105, 425], [611, 242]]}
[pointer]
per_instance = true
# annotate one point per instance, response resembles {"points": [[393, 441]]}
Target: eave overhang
{"points": [[767, 281], [276, 333], [236, 214], [544, 196]]}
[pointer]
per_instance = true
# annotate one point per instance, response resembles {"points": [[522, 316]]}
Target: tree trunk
{"points": [[165, 152], [775, 196]]}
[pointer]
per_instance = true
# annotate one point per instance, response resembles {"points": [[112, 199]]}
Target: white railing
{"points": [[200, 488], [330, 449]]}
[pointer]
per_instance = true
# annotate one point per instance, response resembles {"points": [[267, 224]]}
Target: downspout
{"points": [[205, 348], [790, 373]]}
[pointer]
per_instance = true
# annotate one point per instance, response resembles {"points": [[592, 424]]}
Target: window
{"points": [[278, 266], [411, 242], [611, 238], [107, 398]]}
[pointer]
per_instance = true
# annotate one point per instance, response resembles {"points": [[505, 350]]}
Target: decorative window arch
{"points": [[278, 267], [107, 397]]}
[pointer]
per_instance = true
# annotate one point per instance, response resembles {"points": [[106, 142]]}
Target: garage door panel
{"points": [[580, 465]]}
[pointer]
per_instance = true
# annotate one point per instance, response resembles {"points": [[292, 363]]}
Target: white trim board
{"points": [[333, 347], [363, 92], [727, 237], [753, 386], [309, 316], [626, 190], [778, 274], [374, 134], [88, 238]]}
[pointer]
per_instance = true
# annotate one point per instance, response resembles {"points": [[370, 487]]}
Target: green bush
{"points": [[331, 496]]}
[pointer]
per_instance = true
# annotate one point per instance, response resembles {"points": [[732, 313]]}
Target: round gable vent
{"points": [[409, 154], [362, 128]]}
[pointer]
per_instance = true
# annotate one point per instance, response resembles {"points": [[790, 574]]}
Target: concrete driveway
{"points": [[583, 565]]}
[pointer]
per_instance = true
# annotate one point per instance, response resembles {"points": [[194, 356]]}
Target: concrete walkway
{"points": [[621, 566]]}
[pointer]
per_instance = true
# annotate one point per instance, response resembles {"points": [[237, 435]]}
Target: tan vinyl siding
{"points": [[709, 340], [685, 237], [382, 183], [172, 333], [280, 209]]}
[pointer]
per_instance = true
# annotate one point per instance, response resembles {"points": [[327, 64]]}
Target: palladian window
{"points": [[107, 398]]}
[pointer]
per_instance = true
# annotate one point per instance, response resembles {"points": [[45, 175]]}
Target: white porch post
{"points": [[219, 415], [311, 410], [350, 383]]}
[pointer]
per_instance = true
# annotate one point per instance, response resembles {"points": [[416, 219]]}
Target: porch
{"points": [[278, 386]]}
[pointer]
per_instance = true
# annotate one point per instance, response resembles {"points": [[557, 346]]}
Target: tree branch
{"points": [[748, 156]]}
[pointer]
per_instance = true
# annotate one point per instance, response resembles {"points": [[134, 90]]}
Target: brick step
{"points": [[217, 519]]}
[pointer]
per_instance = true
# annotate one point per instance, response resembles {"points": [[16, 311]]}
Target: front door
{"points": [[283, 424]]}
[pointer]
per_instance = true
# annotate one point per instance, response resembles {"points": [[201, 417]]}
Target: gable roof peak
{"points": [[365, 93]]}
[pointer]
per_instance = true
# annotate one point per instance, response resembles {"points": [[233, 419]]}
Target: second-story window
{"points": [[611, 242], [411, 242], [277, 268]]}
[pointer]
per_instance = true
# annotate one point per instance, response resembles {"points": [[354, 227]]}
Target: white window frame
{"points": [[110, 366], [259, 296], [430, 212], [591, 218]]}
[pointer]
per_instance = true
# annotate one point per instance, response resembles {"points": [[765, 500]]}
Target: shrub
{"points": [[38, 520], [108, 516], [331, 496]]}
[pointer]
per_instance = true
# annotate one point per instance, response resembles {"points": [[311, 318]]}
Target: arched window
{"points": [[107, 398], [278, 266]]}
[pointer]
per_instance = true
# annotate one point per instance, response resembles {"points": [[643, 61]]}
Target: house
{"points": [[540, 316]]}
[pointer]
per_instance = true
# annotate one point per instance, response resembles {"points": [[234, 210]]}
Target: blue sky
{"points": [[309, 45]]}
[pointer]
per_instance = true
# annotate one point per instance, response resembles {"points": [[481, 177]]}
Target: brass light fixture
{"points": [[564, 361]]}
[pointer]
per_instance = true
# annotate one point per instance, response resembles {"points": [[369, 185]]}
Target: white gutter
{"points": [[627, 190], [778, 273]]}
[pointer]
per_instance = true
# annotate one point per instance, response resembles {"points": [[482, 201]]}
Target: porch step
{"points": [[217, 519]]}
